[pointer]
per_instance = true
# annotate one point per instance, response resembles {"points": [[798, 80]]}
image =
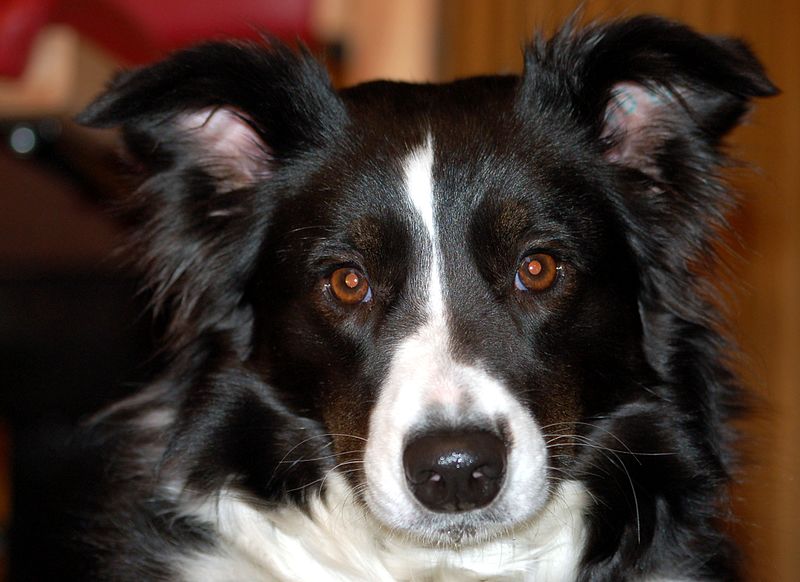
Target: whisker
{"points": [[322, 458], [585, 439], [309, 439], [324, 478], [613, 457]]}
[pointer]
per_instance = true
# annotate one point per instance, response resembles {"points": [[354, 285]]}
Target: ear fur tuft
{"points": [[210, 128]]}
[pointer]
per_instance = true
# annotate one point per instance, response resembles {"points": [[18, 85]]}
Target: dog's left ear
{"points": [[650, 89]]}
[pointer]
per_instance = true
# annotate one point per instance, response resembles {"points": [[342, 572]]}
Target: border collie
{"points": [[430, 332]]}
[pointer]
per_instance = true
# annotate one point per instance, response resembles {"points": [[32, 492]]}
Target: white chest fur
{"points": [[336, 541]]}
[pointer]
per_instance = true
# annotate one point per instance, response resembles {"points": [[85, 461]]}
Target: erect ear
{"points": [[209, 130], [653, 90], [655, 99], [663, 85]]}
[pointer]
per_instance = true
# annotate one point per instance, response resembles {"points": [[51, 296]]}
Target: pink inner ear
{"points": [[227, 145], [631, 114]]}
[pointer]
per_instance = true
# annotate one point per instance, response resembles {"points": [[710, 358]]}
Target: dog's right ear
{"points": [[209, 129]]}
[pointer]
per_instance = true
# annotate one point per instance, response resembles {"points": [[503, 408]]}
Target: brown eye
{"points": [[350, 286], [536, 273]]}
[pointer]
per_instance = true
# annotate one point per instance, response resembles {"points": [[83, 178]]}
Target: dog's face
{"points": [[445, 293]]}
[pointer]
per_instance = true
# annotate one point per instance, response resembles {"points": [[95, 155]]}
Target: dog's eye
{"points": [[350, 286], [536, 273]]}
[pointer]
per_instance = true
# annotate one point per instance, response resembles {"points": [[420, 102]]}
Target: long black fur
{"points": [[231, 405]]}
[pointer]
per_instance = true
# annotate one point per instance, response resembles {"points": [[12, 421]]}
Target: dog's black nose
{"points": [[455, 471]]}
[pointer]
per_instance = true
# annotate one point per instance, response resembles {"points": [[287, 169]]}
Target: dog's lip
{"points": [[476, 526], [458, 535], [470, 528]]}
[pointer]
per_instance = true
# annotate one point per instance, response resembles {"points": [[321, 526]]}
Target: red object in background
{"points": [[20, 20], [138, 31]]}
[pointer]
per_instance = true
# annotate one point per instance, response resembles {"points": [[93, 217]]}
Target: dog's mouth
{"points": [[457, 530], [459, 535], [457, 487], [459, 523]]}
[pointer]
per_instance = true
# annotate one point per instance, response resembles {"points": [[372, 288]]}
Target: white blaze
{"points": [[419, 183]]}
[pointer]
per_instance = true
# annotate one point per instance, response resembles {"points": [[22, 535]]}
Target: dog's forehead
{"points": [[456, 165], [481, 140]]}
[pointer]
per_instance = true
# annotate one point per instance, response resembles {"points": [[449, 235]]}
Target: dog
{"points": [[430, 332]]}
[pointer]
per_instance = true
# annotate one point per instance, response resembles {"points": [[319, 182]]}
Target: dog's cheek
{"points": [[346, 406], [555, 404]]}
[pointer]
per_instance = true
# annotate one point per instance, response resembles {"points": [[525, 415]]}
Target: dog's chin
{"points": [[456, 535], [441, 530], [465, 531]]}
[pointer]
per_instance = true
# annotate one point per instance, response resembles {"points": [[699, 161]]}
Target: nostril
{"points": [[455, 471]]}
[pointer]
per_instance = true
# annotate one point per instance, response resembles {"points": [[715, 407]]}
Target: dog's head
{"points": [[455, 295]]}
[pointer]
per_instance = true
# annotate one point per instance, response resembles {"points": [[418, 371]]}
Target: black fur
{"points": [[627, 350]]}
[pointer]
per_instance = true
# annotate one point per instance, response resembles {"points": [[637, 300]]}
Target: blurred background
{"points": [[71, 333]]}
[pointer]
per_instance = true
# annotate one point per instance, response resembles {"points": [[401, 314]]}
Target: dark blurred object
{"points": [[68, 345], [73, 336], [138, 31]]}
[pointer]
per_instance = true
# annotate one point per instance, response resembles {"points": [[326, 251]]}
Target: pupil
{"points": [[351, 280], [535, 268]]}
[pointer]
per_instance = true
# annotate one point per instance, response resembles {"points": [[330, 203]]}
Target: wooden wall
{"points": [[482, 36]]}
